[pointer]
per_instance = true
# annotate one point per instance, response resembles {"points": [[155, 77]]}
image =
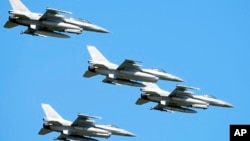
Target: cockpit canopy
{"points": [[209, 96], [159, 70], [111, 125], [81, 20]]}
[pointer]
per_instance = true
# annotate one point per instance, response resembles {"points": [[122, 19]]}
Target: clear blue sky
{"points": [[206, 43]]}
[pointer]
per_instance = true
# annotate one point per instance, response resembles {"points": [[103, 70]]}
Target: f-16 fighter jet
{"points": [[180, 99], [128, 73], [82, 129], [51, 23]]}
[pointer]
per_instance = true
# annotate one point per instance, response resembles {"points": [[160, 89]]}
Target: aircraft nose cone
{"points": [[178, 79], [228, 105], [175, 78], [130, 134], [100, 29], [103, 30], [172, 78]]}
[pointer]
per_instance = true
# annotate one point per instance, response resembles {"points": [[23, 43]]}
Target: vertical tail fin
{"points": [[50, 112], [150, 88], [96, 55], [18, 5]]}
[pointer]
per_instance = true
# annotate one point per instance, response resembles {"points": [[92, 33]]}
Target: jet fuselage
{"points": [[126, 74], [180, 101], [115, 130], [213, 101], [162, 75], [50, 25], [79, 131]]}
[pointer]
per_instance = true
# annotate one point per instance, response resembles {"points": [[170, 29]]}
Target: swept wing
{"points": [[84, 120], [129, 65], [181, 90], [52, 12]]}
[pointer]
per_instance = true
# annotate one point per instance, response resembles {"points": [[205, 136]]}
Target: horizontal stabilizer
{"points": [[89, 74], [141, 101], [9, 24], [44, 131]]}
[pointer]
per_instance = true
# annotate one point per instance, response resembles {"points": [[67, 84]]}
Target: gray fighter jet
{"points": [[180, 99], [82, 129], [51, 23], [128, 73]]}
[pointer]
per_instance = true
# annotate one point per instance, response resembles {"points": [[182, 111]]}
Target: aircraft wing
{"points": [[129, 65], [84, 120], [182, 87], [52, 12], [182, 91]]}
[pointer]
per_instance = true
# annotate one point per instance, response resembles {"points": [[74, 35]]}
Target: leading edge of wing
{"points": [[129, 64], [52, 12]]}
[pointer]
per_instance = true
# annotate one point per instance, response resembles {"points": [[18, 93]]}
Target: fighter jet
{"points": [[128, 73], [51, 23], [82, 129], [180, 99]]}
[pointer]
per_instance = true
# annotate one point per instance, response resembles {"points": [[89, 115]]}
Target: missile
{"points": [[48, 33], [76, 31], [202, 106], [180, 109], [80, 138], [125, 82], [172, 108]]}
